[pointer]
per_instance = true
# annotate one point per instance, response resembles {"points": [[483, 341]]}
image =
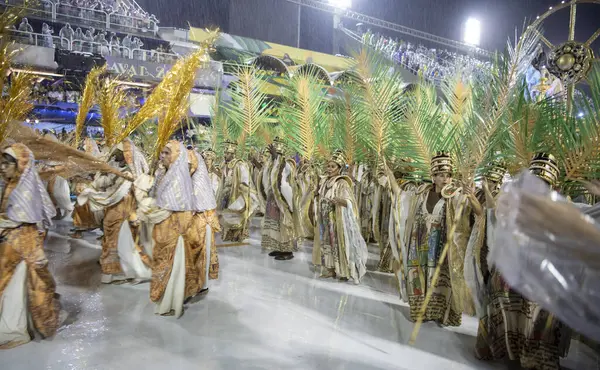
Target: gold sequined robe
{"points": [[25, 244]]}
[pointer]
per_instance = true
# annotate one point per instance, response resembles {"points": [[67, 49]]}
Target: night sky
{"points": [[276, 20]]}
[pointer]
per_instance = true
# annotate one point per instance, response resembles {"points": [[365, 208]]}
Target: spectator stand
{"points": [[126, 16], [92, 41]]}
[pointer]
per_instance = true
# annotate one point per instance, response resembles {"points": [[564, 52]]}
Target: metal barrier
{"points": [[39, 39], [94, 47], [46, 9]]}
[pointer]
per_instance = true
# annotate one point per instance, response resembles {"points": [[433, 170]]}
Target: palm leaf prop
{"points": [[248, 108], [347, 131], [575, 135], [529, 132], [145, 137], [74, 162], [161, 95], [471, 140], [423, 129], [379, 91], [87, 100], [491, 99], [111, 99], [220, 125], [303, 114], [16, 105], [178, 105]]}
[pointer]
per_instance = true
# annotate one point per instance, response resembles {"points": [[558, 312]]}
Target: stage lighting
{"points": [[472, 32], [343, 4]]}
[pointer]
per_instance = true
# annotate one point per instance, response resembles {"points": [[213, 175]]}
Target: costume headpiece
{"points": [[230, 147], [495, 171], [544, 166], [209, 153], [339, 158], [441, 163], [279, 145]]}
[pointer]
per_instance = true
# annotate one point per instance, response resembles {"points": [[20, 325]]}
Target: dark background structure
{"points": [[276, 20]]}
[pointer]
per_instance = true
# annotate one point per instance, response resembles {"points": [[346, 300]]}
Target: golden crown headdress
{"points": [[209, 153], [279, 145], [230, 146], [544, 166], [339, 158], [441, 163], [495, 171]]}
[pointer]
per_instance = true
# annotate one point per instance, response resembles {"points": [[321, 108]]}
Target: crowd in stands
{"points": [[92, 41], [432, 64]]}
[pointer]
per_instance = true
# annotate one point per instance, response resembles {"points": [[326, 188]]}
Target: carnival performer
{"points": [[424, 243], [278, 231], [58, 187], [513, 326], [168, 203], [83, 218], [307, 185], [365, 188], [237, 201], [205, 220], [122, 257], [28, 300], [261, 165], [214, 173], [381, 218], [403, 203], [339, 248]]}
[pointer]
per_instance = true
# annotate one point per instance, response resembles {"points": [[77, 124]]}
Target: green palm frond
{"points": [[423, 128], [304, 115], [492, 99], [379, 90], [248, 108]]}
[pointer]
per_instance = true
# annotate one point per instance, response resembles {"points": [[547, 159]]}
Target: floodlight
{"points": [[472, 31], [343, 4]]}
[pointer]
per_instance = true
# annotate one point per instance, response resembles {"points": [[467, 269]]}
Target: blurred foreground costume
{"points": [[512, 325], [28, 302]]}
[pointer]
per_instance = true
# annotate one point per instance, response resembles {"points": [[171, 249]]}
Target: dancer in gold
{"points": [[28, 300]]}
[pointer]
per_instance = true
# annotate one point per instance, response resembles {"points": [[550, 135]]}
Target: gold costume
{"points": [[23, 242], [166, 235]]}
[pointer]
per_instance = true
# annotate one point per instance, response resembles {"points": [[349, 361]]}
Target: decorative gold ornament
{"points": [[441, 163], [339, 158], [544, 166], [571, 61]]}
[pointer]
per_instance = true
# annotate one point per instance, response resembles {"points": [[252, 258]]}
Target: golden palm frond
{"points": [[162, 93], [179, 102], [16, 105], [111, 99], [87, 100]]}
